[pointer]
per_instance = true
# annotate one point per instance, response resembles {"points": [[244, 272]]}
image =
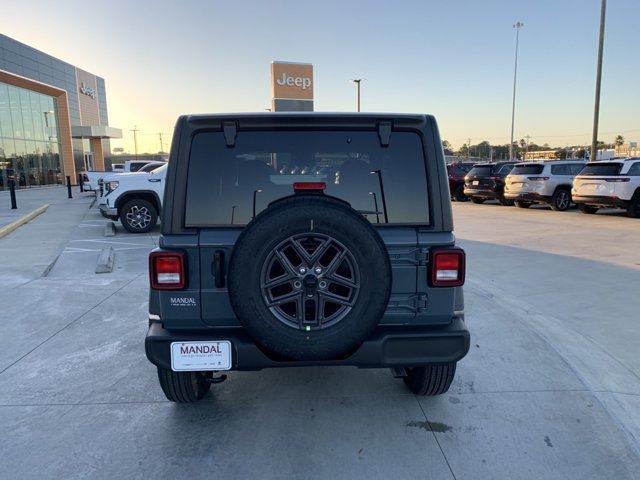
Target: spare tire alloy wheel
{"points": [[310, 281], [309, 278]]}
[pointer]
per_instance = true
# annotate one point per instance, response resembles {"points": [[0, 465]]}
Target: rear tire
{"points": [[521, 204], [561, 200], [477, 200], [430, 380], [589, 209], [459, 195], [183, 387], [506, 202], [633, 209]]}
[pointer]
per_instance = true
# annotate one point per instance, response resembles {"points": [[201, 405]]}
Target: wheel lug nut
{"points": [[322, 284], [303, 270], [318, 270], [297, 284]]}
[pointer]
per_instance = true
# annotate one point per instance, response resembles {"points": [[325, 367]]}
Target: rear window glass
{"points": [[503, 169], [463, 168], [527, 169], [223, 182], [481, 171], [601, 169]]}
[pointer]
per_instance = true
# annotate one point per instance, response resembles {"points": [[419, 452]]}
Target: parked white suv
{"points": [[547, 182], [135, 199], [612, 183]]}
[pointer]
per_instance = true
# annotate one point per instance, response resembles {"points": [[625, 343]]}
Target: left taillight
{"points": [[447, 267], [167, 270]]}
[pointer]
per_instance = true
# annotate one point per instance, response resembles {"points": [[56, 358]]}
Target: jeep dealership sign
{"points": [[292, 86]]}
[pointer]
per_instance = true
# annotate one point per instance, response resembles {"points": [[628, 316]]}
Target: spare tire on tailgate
{"points": [[309, 278]]}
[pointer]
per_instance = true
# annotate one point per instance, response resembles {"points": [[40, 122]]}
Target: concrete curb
{"points": [[7, 229], [105, 260]]}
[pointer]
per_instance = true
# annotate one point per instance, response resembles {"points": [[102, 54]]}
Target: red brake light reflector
{"points": [[167, 270], [447, 267], [309, 185]]}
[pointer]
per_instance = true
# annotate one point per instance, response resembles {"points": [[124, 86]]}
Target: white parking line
{"points": [[113, 242], [93, 250]]}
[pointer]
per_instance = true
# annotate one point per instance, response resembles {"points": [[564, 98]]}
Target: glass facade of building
{"points": [[29, 138]]}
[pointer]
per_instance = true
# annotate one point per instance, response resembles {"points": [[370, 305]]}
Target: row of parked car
{"points": [[557, 183], [132, 194]]}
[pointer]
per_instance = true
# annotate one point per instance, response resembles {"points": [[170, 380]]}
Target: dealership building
{"points": [[53, 118]]}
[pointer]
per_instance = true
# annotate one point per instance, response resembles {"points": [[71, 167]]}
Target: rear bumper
{"points": [[528, 197], [385, 347], [482, 193], [602, 201]]}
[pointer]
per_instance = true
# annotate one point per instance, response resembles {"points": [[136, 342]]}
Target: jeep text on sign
{"points": [[292, 80]]}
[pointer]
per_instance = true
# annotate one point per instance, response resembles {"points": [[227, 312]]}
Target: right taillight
{"points": [[167, 270], [447, 267]]}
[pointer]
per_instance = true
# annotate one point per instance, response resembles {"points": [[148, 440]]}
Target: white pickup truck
{"points": [[135, 199], [91, 178]]}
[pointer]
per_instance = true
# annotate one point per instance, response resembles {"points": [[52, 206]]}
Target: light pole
{"points": [[233, 211], [375, 204], [517, 26], [593, 156], [135, 131], [384, 200], [255, 192], [357, 82]]}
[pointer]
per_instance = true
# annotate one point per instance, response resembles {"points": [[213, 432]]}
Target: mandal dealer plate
{"points": [[200, 356]]}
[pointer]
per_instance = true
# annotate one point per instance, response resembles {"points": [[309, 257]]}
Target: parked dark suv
{"points": [[485, 181], [344, 257], [456, 173]]}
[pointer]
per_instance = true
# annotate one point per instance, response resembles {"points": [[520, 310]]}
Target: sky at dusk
{"points": [[453, 59]]}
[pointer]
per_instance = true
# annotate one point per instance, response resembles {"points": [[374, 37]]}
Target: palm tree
{"points": [[619, 141]]}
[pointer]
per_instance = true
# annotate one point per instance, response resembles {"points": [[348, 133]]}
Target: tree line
{"points": [[485, 150]]}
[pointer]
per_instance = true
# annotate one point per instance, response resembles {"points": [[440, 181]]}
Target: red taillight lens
{"points": [[447, 267], [309, 186], [167, 270]]}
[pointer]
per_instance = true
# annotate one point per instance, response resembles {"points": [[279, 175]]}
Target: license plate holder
{"points": [[201, 356]]}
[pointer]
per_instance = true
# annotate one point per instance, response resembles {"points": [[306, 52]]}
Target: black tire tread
{"points": [[430, 380], [633, 209], [179, 386]]}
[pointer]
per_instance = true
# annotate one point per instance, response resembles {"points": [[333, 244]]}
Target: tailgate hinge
{"points": [[423, 256], [422, 302]]}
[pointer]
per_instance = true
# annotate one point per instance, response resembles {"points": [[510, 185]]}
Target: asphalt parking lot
{"points": [[550, 388]]}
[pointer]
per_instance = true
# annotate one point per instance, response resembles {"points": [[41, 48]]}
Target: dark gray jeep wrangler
{"points": [[297, 239]]}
